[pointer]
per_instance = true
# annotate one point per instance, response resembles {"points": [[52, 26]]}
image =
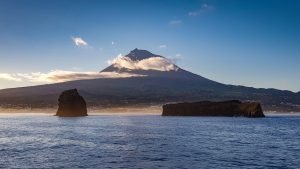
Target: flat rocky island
{"points": [[71, 104], [207, 108]]}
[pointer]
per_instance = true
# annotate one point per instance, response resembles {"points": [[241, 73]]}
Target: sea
{"points": [[149, 142]]}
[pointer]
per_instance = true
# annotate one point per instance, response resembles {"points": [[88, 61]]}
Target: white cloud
{"points": [[79, 41], [175, 22], [112, 43], [62, 76], [10, 77], [194, 13], [204, 8], [162, 46], [178, 55], [176, 58], [153, 63]]}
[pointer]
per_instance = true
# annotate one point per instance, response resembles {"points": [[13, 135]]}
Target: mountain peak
{"points": [[141, 61], [139, 54]]}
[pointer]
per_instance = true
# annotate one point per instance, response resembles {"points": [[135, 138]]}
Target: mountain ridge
{"points": [[157, 87]]}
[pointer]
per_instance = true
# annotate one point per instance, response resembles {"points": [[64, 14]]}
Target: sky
{"points": [[242, 42]]}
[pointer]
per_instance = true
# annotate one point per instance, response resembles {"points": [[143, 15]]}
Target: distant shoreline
{"points": [[120, 111], [149, 110]]}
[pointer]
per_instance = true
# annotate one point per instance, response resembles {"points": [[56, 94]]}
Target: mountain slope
{"points": [[166, 82]]}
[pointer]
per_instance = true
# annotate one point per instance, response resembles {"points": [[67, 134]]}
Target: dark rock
{"points": [[208, 108], [71, 104]]}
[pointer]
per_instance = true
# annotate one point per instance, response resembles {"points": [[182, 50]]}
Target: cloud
{"points": [[194, 13], [153, 63], [178, 55], [79, 41], [112, 43], [175, 22], [10, 77], [162, 46], [176, 58], [204, 8], [62, 76]]}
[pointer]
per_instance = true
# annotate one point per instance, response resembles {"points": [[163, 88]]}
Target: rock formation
{"points": [[71, 104], [208, 108]]}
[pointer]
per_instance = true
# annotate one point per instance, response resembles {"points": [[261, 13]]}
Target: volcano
{"points": [[159, 81], [143, 62]]}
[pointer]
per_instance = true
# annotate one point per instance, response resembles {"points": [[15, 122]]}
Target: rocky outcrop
{"points": [[208, 108], [71, 104]]}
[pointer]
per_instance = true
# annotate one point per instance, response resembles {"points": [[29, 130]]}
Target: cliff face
{"points": [[71, 104], [207, 108]]}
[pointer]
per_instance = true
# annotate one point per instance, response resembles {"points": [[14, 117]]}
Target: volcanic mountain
{"points": [[143, 62], [155, 80]]}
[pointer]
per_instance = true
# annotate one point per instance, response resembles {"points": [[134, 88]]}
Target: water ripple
{"points": [[149, 142]]}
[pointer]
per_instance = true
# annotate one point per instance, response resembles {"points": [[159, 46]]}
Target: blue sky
{"points": [[250, 42]]}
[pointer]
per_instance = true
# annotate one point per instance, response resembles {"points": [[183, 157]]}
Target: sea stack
{"points": [[71, 104], [230, 108]]}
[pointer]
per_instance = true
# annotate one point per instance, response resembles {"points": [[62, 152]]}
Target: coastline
{"points": [[116, 112]]}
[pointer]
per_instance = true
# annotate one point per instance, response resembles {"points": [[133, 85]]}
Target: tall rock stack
{"points": [[71, 104]]}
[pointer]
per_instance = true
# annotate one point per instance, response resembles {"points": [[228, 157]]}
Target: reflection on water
{"points": [[149, 142]]}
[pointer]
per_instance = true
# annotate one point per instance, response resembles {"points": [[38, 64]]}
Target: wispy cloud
{"points": [[153, 63], [175, 58], [177, 55], [79, 41], [55, 76], [204, 8], [193, 13], [62, 76], [162, 46], [175, 22], [10, 77], [112, 43]]}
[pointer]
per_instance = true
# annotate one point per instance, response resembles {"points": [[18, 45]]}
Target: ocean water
{"points": [[149, 141]]}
